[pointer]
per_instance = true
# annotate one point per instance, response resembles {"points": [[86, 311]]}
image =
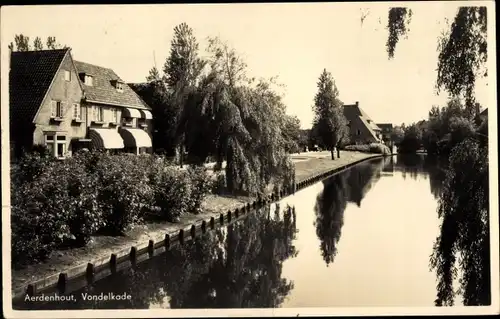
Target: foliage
{"points": [[463, 54], [412, 140], [330, 124], [59, 204], [123, 190], [464, 210], [397, 135], [202, 184], [369, 148], [292, 134], [22, 43], [398, 25], [165, 114]]}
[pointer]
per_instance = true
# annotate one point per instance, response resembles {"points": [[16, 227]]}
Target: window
{"points": [[119, 86], [88, 80], [359, 132], [67, 75], [77, 111], [98, 114], [56, 144], [57, 109], [114, 115]]}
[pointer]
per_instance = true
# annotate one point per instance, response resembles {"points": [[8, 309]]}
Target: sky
{"points": [[294, 41]]}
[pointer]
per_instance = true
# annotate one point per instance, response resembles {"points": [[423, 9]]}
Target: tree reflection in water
{"points": [[331, 203], [234, 267], [244, 266]]}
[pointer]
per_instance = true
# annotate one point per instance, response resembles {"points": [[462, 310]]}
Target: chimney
{"points": [[357, 103]]}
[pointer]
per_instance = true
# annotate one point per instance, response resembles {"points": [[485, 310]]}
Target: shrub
{"points": [[172, 192], [202, 184], [219, 185], [58, 208], [124, 191], [370, 148]]}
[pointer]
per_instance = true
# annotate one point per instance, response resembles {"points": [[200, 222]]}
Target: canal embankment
{"points": [[106, 254]]}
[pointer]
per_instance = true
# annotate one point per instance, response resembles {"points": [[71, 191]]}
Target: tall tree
{"points": [[182, 70], [37, 44], [22, 43], [329, 121]]}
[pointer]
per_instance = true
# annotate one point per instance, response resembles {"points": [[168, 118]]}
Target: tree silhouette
{"points": [[329, 209]]}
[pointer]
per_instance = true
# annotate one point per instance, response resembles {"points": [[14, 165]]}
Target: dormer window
{"points": [[87, 79], [118, 85]]}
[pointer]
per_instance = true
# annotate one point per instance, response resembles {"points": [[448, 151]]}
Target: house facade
{"points": [[362, 129], [386, 131], [68, 105]]}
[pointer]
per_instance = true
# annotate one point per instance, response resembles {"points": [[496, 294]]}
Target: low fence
{"points": [[80, 276]]}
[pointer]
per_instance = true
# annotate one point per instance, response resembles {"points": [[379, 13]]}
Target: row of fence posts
{"points": [[90, 272]]}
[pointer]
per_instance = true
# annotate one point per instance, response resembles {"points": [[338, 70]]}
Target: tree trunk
{"points": [[338, 152], [333, 154]]}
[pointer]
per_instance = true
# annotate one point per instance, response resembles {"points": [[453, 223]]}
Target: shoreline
{"points": [[146, 239]]}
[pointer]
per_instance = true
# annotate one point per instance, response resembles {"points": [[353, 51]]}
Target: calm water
{"points": [[360, 238]]}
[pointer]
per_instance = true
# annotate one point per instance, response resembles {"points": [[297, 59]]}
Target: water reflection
{"points": [[351, 185], [361, 179], [234, 267]]}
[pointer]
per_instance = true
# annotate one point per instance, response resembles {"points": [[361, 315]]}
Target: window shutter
{"points": [[53, 108]]}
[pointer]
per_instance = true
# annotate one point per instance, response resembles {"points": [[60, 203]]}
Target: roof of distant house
{"points": [[385, 125], [484, 112], [353, 110], [31, 75], [103, 90]]}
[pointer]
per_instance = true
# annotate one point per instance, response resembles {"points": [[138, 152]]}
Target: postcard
{"points": [[249, 159]]}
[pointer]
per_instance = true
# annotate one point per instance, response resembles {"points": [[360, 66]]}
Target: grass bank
{"points": [[100, 246]]}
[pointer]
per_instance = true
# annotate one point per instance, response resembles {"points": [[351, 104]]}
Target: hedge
{"points": [[59, 204], [377, 148]]}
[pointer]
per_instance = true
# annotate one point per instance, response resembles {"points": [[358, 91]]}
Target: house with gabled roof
{"points": [[68, 105], [362, 128]]}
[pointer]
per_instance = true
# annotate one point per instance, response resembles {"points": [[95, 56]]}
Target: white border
{"points": [[493, 161]]}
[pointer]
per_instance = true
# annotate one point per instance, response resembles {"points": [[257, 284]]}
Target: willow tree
{"points": [[462, 49], [463, 204], [241, 122]]}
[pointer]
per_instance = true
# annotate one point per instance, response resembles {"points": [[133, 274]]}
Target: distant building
{"points": [[386, 132], [67, 105], [484, 115], [362, 129]]}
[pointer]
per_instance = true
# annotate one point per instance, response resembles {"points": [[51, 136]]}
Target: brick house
{"points": [[362, 129], [67, 105]]}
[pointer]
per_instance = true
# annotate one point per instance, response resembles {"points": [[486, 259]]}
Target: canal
{"points": [[360, 238]]}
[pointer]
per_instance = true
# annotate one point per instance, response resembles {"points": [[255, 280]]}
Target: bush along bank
{"points": [[376, 148], [61, 204]]}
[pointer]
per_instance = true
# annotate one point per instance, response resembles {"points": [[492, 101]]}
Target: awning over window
{"points": [[134, 137], [146, 114], [133, 113], [104, 138]]}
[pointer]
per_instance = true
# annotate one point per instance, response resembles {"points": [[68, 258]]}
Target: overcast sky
{"points": [[293, 41]]}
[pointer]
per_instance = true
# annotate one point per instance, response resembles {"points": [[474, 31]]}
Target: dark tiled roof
{"points": [[30, 77], [484, 112], [103, 90]]}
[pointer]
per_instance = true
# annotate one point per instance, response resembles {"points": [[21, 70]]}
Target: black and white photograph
{"points": [[249, 159]]}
